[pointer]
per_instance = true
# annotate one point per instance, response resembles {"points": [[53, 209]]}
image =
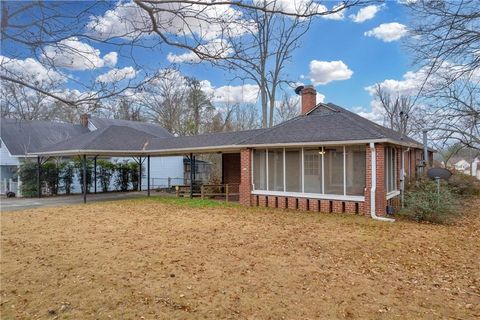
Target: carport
{"points": [[117, 141]]}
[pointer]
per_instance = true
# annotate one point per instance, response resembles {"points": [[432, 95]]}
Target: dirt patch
{"points": [[145, 258]]}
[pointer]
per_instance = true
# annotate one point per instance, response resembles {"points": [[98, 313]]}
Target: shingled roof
{"points": [[150, 128], [114, 139], [22, 136], [324, 124]]}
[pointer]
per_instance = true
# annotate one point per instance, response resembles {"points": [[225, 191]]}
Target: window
{"points": [[312, 161], [334, 170], [333, 160], [259, 170], [390, 169], [355, 166], [275, 169], [293, 170]]}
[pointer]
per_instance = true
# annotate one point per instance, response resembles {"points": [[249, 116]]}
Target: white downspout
{"points": [[373, 188]]}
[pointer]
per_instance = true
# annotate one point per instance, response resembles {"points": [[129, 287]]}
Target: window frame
{"points": [[302, 193]]}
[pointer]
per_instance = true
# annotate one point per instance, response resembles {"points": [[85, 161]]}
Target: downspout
{"points": [[373, 188], [402, 178]]}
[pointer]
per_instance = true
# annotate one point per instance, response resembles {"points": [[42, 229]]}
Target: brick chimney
{"points": [[309, 98], [84, 120]]}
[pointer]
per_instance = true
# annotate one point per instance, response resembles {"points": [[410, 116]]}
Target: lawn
{"points": [[174, 259]]}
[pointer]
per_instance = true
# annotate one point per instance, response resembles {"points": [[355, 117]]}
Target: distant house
{"points": [[326, 159], [462, 165], [20, 138]]}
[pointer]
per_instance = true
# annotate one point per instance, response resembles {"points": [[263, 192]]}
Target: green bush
{"points": [[105, 170], [66, 175], [464, 184], [28, 175], [134, 174], [122, 178], [425, 203], [49, 176], [79, 168]]}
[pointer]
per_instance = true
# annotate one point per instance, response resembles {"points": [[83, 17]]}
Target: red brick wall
{"points": [[231, 173], [245, 176], [231, 168]]}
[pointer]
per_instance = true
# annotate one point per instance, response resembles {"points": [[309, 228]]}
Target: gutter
{"points": [[373, 188]]}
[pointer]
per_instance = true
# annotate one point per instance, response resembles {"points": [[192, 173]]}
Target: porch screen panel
{"points": [[293, 170], [355, 162], [312, 161], [390, 169], [259, 170], [333, 170], [275, 169]]}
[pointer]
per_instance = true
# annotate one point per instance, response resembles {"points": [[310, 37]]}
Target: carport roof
{"points": [[108, 140], [325, 124]]}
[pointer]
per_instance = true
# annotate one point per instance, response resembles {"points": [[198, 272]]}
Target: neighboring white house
{"points": [[468, 168], [20, 137]]}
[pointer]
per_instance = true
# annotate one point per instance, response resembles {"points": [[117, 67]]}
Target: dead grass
{"points": [[162, 260]]}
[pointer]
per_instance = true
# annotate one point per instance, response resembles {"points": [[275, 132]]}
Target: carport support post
{"points": [[191, 175], [84, 179], [39, 184], [95, 174], [140, 174], [148, 175]]}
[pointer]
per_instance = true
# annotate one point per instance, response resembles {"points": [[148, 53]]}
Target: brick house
{"points": [[326, 159]]}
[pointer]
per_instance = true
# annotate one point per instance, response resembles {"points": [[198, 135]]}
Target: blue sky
{"points": [[366, 60]]}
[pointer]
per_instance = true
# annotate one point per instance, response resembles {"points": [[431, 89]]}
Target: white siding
{"points": [[6, 158]]}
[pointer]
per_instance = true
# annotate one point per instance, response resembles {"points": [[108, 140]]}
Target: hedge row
{"points": [[59, 176]]}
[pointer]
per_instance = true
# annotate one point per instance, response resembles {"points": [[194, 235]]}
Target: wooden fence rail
{"points": [[210, 190]]}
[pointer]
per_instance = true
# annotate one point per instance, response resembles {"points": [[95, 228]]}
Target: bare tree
{"points": [[398, 110], [452, 110], [445, 31], [46, 29], [287, 108], [270, 29]]}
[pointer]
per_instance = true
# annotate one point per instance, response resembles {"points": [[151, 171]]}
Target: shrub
{"points": [[79, 168], [106, 170], [134, 174], [464, 184], [426, 203], [28, 175], [50, 176], [122, 178], [66, 175]]}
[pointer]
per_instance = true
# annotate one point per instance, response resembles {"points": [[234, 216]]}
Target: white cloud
{"points": [[216, 47], [247, 93], [323, 72], [365, 13], [339, 15], [110, 59], [30, 69], [74, 54], [116, 75], [388, 32], [127, 20]]}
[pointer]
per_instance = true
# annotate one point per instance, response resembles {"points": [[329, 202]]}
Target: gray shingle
{"points": [[22, 137], [112, 138], [150, 128]]}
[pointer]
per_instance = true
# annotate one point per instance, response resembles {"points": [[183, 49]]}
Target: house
{"points": [[326, 159], [20, 138], [462, 166]]}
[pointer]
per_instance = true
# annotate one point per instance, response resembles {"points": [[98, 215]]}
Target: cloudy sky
{"points": [[342, 56]]}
